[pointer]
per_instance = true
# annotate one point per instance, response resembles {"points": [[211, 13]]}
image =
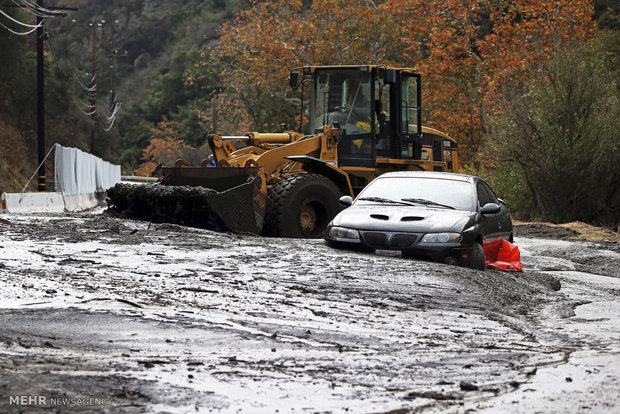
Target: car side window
{"points": [[483, 195], [491, 194]]}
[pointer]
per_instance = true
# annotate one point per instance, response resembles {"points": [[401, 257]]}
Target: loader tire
{"points": [[301, 206]]}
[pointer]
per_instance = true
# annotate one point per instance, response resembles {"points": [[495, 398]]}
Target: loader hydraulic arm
{"points": [[222, 151]]}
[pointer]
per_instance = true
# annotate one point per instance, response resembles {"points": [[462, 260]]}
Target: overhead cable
{"points": [[110, 119], [19, 33], [93, 112], [36, 26], [36, 9], [85, 105], [23, 5], [90, 89]]}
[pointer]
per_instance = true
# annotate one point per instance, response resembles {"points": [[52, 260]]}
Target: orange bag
{"points": [[502, 255]]}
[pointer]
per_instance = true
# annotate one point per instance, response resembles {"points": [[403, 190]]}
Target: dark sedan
{"points": [[426, 215]]}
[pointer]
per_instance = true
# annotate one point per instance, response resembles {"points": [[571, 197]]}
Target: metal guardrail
{"points": [[137, 179]]}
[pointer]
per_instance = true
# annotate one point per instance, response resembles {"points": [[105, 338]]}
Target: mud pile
{"points": [[192, 206], [188, 206]]}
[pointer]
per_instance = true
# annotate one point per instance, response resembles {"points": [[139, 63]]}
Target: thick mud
{"points": [[104, 314]]}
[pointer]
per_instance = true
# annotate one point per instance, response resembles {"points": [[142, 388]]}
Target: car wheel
{"points": [[301, 205], [477, 257]]}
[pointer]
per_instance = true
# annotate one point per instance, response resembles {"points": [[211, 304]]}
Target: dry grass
{"points": [[15, 160]]}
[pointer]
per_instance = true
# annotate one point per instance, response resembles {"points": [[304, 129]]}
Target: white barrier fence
{"points": [[78, 176], [77, 172]]}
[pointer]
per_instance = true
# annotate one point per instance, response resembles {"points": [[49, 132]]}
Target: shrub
{"points": [[560, 135]]}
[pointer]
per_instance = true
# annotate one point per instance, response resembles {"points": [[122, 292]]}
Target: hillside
{"points": [[144, 49], [170, 72]]}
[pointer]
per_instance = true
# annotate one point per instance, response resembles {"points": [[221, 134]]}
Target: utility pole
{"points": [[43, 12], [92, 85], [93, 94], [40, 101], [112, 68], [41, 38]]}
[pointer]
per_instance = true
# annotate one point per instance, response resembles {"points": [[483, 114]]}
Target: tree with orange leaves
{"points": [[466, 50], [265, 41], [478, 48], [164, 148]]}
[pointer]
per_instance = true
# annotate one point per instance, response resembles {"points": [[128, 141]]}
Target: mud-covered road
{"points": [[102, 314]]}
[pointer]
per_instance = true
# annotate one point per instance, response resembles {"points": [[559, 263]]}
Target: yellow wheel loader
{"points": [[363, 121]]}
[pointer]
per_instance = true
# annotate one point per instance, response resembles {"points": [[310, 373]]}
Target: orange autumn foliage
{"points": [[164, 148], [478, 48], [268, 39], [466, 50]]}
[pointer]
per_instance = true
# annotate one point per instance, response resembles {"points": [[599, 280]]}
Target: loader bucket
{"points": [[220, 198]]}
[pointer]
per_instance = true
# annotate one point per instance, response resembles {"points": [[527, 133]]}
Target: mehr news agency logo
{"points": [[44, 401]]}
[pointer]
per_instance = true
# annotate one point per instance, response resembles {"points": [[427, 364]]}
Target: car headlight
{"points": [[441, 237], [344, 233]]}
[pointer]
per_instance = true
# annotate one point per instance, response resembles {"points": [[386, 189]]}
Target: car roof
{"points": [[430, 174]]}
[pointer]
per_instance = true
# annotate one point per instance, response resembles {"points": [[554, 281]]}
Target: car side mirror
{"points": [[345, 200], [490, 208]]}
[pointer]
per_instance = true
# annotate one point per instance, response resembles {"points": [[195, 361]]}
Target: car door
{"points": [[489, 223], [495, 226], [504, 223]]}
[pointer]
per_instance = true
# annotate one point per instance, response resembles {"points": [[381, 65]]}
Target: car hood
{"points": [[404, 218]]}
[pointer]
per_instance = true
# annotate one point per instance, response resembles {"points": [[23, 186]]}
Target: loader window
{"points": [[409, 96], [341, 96]]}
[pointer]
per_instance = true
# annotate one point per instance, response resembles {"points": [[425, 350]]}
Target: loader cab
{"points": [[342, 97], [378, 110]]}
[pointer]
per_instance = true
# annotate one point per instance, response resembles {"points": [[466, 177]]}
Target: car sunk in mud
{"points": [[435, 216]]}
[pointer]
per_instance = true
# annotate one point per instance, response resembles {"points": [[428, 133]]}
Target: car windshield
{"points": [[425, 191]]}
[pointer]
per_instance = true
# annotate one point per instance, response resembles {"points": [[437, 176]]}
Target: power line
{"points": [[110, 120], [36, 26], [32, 26], [89, 90], [24, 5], [85, 90], [19, 33], [39, 10]]}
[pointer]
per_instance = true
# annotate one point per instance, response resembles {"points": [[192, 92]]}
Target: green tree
{"points": [[559, 138]]}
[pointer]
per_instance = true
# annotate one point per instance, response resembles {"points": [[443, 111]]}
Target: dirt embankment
{"points": [[576, 230]]}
